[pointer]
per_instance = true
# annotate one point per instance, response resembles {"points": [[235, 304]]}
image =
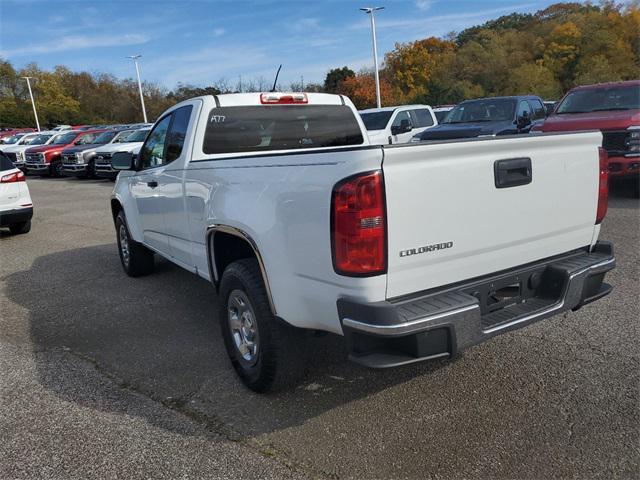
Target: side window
{"points": [[421, 118], [538, 109], [152, 153], [177, 132], [523, 109], [401, 116]]}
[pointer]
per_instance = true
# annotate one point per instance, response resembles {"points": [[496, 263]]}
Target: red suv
{"points": [[47, 159], [613, 108]]}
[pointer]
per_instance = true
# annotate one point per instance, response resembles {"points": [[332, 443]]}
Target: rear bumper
{"points": [[19, 215], [441, 323], [624, 166]]}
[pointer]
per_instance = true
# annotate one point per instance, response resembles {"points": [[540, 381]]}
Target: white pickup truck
{"points": [[412, 252]]}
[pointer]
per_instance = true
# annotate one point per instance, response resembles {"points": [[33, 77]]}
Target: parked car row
{"points": [[78, 152], [613, 108]]}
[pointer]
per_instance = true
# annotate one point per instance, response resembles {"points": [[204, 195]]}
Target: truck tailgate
{"points": [[448, 221]]}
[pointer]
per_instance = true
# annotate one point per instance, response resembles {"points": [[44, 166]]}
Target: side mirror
{"points": [[523, 121], [123, 161]]}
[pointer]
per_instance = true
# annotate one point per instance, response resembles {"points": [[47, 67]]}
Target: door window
{"points": [[538, 109], [177, 132], [421, 118], [152, 153], [399, 117], [524, 109]]}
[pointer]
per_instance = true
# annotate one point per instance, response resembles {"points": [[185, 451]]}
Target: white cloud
{"points": [[424, 4], [218, 32], [77, 42]]}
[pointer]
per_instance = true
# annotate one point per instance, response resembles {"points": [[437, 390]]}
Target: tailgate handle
{"points": [[512, 172]]}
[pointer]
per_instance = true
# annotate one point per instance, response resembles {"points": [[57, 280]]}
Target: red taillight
{"points": [[13, 177], [283, 98], [603, 187], [359, 225]]}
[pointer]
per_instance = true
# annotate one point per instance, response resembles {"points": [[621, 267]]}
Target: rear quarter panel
{"points": [[283, 203]]}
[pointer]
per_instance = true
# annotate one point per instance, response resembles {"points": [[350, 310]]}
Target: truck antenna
{"points": [[276, 79]]}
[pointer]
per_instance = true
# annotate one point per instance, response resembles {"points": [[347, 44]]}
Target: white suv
{"points": [[16, 208]]}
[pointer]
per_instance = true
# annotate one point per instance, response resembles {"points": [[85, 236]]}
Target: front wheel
{"points": [[91, 169], [136, 259], [266, 353], [56, 169]]}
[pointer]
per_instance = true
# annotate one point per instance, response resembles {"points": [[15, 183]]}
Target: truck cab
{"points": [[393, 125]]}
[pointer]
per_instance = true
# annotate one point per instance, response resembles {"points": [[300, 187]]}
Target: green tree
{"points": [[535, 79], [335, 77]]}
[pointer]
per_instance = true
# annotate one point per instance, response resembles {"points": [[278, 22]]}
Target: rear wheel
{"points": [[266, 353], [19, 228], [137, 260]]}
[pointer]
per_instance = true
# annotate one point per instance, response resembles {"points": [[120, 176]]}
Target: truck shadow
{"points": [[159, 336]]}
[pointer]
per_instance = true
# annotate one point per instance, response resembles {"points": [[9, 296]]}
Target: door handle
{"points": [[152, 184], [512, 172]]}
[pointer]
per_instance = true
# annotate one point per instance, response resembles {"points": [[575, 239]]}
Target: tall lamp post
{"points": [[135, 61], [370, 11], [33, 103]]}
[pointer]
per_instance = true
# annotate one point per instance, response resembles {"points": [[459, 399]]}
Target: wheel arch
{"points": [[226, 244], [116, 208]]}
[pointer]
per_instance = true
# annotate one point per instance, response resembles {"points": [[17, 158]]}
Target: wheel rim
{"points": [[243, 326], [124, 245]]}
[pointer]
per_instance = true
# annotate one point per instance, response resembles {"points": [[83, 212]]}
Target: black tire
{"points": [[91, 170], [136, 259], [55, 169], [20, 228], [279, 357]]}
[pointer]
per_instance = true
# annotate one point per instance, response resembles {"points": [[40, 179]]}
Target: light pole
{"points": [[33, 103], [135, 61], [369, 11]]}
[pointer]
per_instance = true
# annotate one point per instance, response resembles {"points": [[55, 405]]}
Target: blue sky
{"points": [[198, 42]]}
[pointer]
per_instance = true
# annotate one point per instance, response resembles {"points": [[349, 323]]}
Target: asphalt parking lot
{"points": [[105, 376]]}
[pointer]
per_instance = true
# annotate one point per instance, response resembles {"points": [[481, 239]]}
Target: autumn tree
{"points": [[361, 89], [410, 65], [335, 77]]}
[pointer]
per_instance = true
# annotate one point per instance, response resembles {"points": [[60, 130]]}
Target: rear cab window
{"points": [[240, 129], [421, 117]]}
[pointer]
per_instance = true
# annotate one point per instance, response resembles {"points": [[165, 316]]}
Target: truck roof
{"points": [[628, 83], [254, 99], [392, 109], [505, 97]]}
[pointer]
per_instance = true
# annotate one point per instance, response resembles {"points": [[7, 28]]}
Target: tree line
{"points": [[544, 53]]}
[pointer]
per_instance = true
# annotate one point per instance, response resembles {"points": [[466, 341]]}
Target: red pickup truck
{"points": [[47, 160], [613, 108]]}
